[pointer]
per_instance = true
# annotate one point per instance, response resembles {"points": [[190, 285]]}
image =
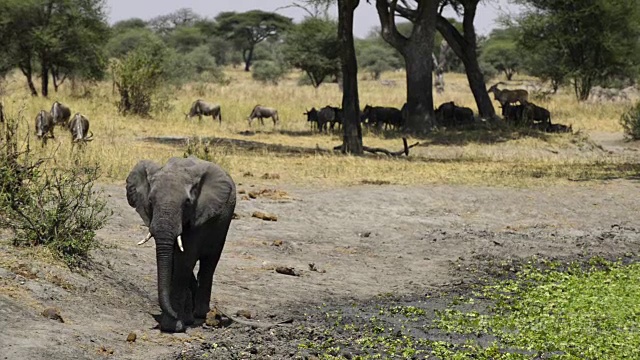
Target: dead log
{"points": [[404, 151]]}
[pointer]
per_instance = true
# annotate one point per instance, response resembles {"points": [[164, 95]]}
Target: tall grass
{"points": [[477, 158]]}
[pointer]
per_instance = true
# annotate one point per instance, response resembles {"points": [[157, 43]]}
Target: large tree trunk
{"points": [[248, 56], [45, 79], [465, 47], [352, 136], [420, 113], [26, 70], [416, 51]]}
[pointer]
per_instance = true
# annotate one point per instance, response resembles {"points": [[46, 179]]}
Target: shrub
{"points": [[268, 71], [203, 150], [54, 207], [137, 77], [630, 122]]}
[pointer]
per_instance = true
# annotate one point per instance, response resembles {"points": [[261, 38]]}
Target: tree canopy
{"points": [[584, 41], [61, 38], [250, 28], [500, 50], [312, 46]]}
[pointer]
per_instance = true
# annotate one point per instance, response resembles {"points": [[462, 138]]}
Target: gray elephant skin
{"points": [[186, 203]]}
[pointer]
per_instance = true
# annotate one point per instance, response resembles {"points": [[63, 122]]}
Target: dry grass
{"points": [[499, 158]]}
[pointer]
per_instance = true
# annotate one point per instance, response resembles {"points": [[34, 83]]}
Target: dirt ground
{"points": [[363, 241]]}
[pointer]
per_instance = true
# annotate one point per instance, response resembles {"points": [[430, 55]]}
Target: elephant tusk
{"points": [[146, 238], [180, 243]]}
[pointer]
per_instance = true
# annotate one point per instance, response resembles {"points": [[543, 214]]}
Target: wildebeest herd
{"points": [[517, 110], [60, 115]]}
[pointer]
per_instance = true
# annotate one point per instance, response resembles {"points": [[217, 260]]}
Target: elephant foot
{"points": [[189, 319], [169, 324]]}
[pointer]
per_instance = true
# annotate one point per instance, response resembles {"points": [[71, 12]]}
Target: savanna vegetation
{"points": [[136, 79]]}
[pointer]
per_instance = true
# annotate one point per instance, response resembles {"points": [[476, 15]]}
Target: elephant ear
{"points": [[138, 188], [214, 192]]}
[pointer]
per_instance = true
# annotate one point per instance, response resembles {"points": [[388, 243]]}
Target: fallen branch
{"points": [[404, 151]]}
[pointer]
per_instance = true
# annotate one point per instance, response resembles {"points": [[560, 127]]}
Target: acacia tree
{"points": [[352, 135], [500, 50], [250, 28], [312, 46], [464, 44], [590, 41], [416, 49]]}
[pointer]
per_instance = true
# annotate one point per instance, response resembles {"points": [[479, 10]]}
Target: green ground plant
{"points": [[56, 207]]}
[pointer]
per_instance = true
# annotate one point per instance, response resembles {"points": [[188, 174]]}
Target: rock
{"points": [[242, 191], [248, 174], [214, 318], [277, 243], [253, 194], [286, 270], [244, 197], [313, 267], [235, 216], [244, 313], [132, 337], [268, 176], [53, 314], [264, 216]]}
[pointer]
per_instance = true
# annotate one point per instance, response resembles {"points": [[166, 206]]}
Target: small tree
{"points": [[377, 59], [312, 46], [136, 77], [501, 51], [250, 28], [268, 71]]}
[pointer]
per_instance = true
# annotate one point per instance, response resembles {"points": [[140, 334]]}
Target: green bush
{"points": [[137, 77], [54, 207], [268, 71], [630, 122]]}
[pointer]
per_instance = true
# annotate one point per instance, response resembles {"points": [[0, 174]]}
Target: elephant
{"points": [[187, 204]]}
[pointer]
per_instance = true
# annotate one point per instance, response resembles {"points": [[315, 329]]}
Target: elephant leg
{"points": [[208, 266], [189, 300]]}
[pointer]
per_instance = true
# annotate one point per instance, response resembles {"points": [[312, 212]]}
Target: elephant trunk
{"points": [[164, 258]]}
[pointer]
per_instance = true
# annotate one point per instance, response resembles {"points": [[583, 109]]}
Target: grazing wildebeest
{"points": [[312, 116], [331, 115], [379, 115], [200, 108], [327, 116], [44, 125], [79, 128], [506, 96], [449, 114], [261, 112], [60, 113], [527, 114]]}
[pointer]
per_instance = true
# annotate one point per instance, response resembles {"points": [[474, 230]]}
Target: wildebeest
{"points": [[377, 116], [1, 113], [79, 128], [261, 112], [44, 126], [450, 115], [506, 96], [327, 116], [312, 116], [200, 108], [60, 113], [526, 114]]}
